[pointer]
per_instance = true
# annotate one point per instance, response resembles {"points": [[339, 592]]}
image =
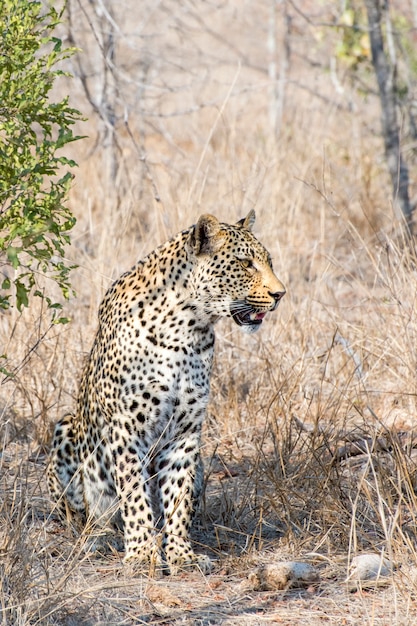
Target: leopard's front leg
{"points": [[180, 478], [131, 461]]}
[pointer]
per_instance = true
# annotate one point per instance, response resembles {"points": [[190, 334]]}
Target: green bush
{"points": [[34, 174]]}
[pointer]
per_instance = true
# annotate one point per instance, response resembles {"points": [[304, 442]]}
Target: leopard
{"points": [[128, 460]]}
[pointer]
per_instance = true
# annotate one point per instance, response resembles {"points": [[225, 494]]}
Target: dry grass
{"points": [[336, 364]]}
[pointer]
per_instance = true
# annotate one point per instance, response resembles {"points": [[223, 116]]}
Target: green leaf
{"points": [[21, 295], [13, 256], [62, 320]]}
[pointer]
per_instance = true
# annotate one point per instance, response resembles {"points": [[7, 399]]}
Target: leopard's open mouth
{"points": [[246, 316]]}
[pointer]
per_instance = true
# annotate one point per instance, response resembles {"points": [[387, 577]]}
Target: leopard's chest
{"points": [[151, 377]]}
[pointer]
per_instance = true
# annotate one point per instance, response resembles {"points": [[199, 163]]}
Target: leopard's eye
{"points": [[246, 263]]}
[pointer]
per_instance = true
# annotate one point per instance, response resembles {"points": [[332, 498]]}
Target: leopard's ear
{"points": [[248, 221], [207, 236]]}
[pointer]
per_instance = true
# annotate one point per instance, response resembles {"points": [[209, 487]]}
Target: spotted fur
{"points": [[129, 458]]}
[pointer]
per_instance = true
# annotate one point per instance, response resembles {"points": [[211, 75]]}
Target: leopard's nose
{"points": [[277, 295]]}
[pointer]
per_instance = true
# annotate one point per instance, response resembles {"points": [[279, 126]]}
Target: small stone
{"points": [[283, 575], [369, 567]]}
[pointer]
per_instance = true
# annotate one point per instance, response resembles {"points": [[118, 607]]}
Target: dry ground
{"points": [[184, 118]]}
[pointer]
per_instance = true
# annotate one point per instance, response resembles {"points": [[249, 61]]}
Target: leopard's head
{"points": [[233, 271]]}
